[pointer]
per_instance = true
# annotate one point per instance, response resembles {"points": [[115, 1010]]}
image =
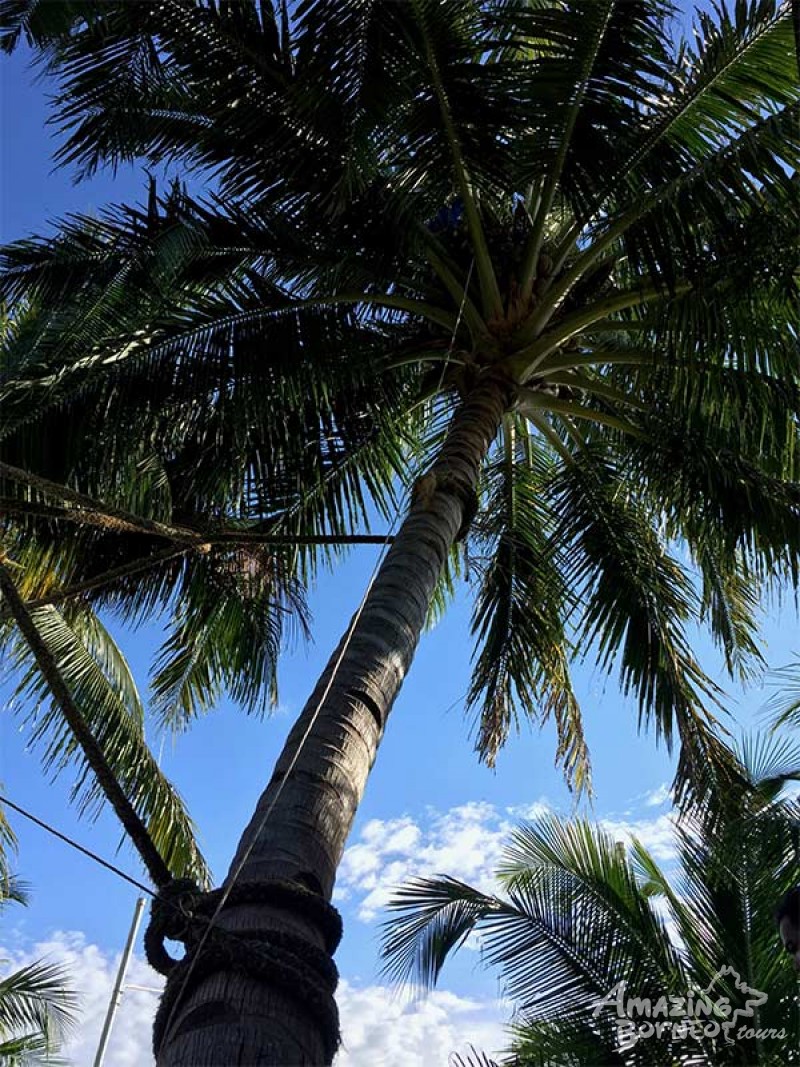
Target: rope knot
{"points": [[282, 958], [173, 917]]}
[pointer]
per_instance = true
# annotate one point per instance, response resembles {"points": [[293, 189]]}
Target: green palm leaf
{"points": [[635, 599], [96, 676], [434, 915], [34, 998], [577, 913], [227, 633], [521, 608], [784, 705]]}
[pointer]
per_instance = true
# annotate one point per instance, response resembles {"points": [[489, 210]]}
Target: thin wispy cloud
{"points": [[656, 797]]}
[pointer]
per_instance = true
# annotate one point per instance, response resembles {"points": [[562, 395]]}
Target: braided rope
{"points": [[182, 912]]}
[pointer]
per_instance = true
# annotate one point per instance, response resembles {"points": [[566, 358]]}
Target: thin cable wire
{"points": [[295, 757], [74, 844], [458, 323]]}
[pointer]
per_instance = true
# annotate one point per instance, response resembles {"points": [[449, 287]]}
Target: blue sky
{"points": [[429, 806]]}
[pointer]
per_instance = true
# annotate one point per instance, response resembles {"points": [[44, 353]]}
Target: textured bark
{"points": [[231, 1020]]}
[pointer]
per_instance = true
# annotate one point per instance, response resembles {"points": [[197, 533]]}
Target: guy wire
{"points": [[74, 844]]}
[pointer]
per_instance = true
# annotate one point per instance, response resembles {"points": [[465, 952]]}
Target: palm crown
{"points": [[406, 196]]}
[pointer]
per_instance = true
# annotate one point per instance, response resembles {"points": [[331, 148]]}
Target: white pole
{"points": [[116, 995]]}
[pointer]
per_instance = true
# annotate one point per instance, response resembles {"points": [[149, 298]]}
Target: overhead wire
{"points": [[76, 845]]}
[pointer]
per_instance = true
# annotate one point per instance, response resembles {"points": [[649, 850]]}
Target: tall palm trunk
{"points": [[235, 1018]]}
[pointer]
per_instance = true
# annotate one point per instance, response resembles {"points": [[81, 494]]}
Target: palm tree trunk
{"points": [[235, 1018]]}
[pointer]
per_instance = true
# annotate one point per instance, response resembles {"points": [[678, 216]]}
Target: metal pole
{"points": [[116, 995]]}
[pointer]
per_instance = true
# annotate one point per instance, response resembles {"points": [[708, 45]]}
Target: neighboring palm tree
{"points": [[530, 249], [37, 1008], [578, 914], [80, 701]]}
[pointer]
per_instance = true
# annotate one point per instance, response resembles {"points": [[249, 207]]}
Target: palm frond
{"points": [[39, 21], [579, 884], [433, 916], [725, 495], [519, 620], [13, 890], [635, 598], [784, 704], [36, 998], [9, 888], [227, 632], [473, 1058], [730, 603], [101, 696]]}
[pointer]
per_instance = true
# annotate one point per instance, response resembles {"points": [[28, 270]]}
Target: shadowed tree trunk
{"points": [[232, 1018]]}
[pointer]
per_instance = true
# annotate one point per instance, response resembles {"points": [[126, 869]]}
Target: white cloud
{"points": [[657, 835], [384, 1029], [531, 812], [91, 974], [464, 842], [380, 1027], [656, 797]]}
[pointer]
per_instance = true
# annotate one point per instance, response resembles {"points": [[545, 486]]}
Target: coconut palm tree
{"points": [[37, 1008], [535, 259], [582, 924]]}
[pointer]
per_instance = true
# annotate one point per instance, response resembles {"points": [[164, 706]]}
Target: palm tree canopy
{"points": [[577, 913], [398, 200]]}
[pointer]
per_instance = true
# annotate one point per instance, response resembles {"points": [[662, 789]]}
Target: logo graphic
{"points": [[700, 1014]]}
